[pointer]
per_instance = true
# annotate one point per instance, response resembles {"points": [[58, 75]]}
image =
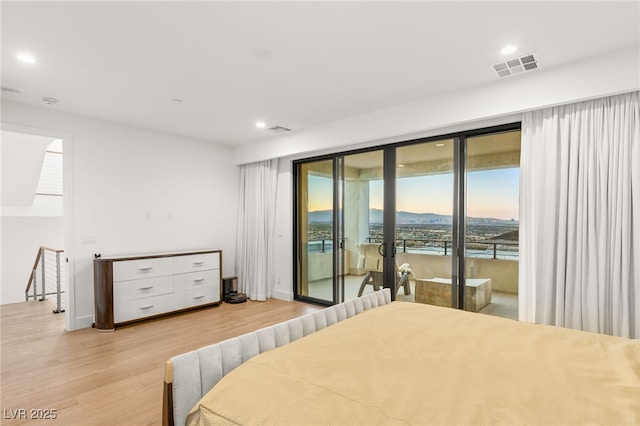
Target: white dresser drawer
{"points": [[196, 296], [145, 287], [195, 262], [200, 279], [140, 308], [143, 268]]}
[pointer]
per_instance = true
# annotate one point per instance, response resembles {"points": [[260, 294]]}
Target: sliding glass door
{"points": [[340, 226], [434, 220], [315, 230], [363, 222], [492, 223], [424, 221]]}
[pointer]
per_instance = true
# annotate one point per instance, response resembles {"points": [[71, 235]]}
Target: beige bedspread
{"points": [[407, 363]]}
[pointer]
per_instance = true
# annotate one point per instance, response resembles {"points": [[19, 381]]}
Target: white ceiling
{"points": [[292, 64]]}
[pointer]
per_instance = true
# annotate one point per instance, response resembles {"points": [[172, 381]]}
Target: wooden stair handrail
{"points": [[35, 264], [51, 249]]}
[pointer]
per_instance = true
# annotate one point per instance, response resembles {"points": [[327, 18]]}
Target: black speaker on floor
{"points": [[230, 291]]}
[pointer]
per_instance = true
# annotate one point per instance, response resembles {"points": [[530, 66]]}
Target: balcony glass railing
{"points": [[484, 249], [480, 249], [322, 246]]}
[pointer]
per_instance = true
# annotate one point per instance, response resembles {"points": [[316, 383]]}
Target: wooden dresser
{"points": [[132, 288]]}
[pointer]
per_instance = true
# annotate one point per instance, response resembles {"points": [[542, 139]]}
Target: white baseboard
{"points": [[282, 295], [84, 322]]}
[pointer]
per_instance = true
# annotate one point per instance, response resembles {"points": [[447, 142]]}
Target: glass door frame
{"points": [[459, 223], [297, 232], [389, 221], [389, 215], [338, 229]]}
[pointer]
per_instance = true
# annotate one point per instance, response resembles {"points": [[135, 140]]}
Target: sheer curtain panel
{"points": [[255, 235], [580, 216]]}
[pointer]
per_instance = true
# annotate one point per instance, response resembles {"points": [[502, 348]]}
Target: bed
{"points": [[369, 361]]}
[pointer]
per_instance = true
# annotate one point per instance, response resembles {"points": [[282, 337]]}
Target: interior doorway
{"points": [[36, 192]]}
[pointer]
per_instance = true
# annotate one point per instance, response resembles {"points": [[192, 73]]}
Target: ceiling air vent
{"points": [[278, 129], [49, 101], [515, 66]]}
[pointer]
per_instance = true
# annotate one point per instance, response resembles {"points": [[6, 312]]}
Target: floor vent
{"points": [[516, 66], [278, 129]]}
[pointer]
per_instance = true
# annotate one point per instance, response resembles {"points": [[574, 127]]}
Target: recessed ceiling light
{"points": [[439, 144], [278, 129], [400, 165], [26, 57], [261, 125], [509, 49]]}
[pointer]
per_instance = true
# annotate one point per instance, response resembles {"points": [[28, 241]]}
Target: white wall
{"points": [[122, 175], [476, 107], [21, 239]]}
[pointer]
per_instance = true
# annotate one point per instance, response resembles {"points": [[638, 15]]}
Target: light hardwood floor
{"points": [[112, 378]]}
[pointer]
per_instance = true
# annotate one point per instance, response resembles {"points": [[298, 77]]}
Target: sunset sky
{"points": [[490, 193]]}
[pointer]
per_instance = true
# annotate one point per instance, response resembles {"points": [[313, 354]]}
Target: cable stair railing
{"points": [[47, 278]]}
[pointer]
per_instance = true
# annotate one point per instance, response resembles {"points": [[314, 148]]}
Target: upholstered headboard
{"points": [[189, 376]]}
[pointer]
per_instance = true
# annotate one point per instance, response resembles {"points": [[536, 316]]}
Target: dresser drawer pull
{"points": [[146, 268], [198, 297], [198, 280], [199, 262], [146, 288], [146, 307]]}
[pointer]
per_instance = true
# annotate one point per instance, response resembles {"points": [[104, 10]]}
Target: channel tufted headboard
{"points": [[189, 376]]}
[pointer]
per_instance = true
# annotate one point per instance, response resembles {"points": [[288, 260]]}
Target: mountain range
{"points": [[410, 218]]}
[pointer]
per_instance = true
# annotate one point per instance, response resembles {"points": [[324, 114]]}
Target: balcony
{"points": [[497, 261]]}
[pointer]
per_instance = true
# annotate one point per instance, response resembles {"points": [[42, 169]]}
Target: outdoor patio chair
{"points": [[371, 261]]}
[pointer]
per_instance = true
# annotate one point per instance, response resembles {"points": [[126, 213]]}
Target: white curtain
{"points": [[255, 234], [580, 216]]}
